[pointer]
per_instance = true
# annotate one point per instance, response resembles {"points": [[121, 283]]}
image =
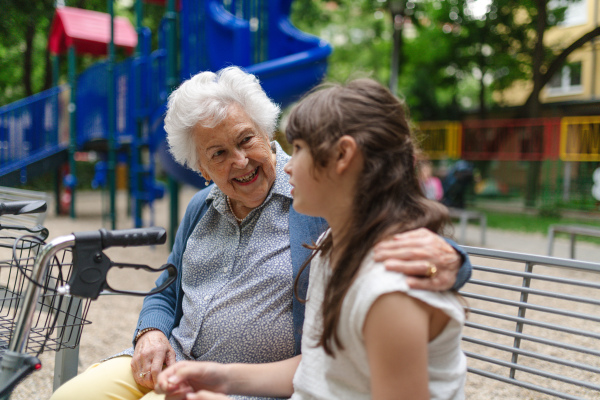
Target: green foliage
{"points": [[19, 31], [451, 60], [550, 211], [360, 37]]}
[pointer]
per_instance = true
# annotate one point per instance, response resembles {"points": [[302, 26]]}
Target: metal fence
{"points": [[507, 152]]}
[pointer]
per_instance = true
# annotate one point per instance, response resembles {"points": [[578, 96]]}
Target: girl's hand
{"points": [[186, 377], [414, 252], [152, 351]]}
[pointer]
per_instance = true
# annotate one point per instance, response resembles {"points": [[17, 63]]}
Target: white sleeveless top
{"points": [[347, 376]]}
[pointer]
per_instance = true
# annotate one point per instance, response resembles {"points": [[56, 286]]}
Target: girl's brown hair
{"points": [[388, 196]]}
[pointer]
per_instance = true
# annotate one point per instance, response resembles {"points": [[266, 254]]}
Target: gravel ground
{"points": [[114, 317]]}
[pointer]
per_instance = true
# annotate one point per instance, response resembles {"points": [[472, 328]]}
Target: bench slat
{"points": [[522, 289], [528, 321], [554, 360], [524, 385], [539, 277], [532, 338], [534, 371], [535, 307]]}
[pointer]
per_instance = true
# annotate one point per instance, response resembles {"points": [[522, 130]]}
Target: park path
{"points": [[114, 317]]}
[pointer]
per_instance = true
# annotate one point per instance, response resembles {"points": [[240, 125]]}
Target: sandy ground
{"points": [[114, 317]]}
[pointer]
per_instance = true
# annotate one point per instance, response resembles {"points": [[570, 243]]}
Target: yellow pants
{"points": [[108, 380]]}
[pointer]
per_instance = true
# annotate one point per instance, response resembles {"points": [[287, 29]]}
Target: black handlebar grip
{"points": [[133, 237], [22, 207]]}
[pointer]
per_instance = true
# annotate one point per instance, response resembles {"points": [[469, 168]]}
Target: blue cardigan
{"points": [[164, 310]]}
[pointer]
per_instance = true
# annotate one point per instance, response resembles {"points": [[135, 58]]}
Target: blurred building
{"points": [[552, 159]]}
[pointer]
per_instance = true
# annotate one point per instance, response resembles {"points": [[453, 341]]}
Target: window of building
{"points": [[566, 81]]}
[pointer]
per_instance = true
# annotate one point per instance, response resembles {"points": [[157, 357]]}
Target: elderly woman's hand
{"points": [[414, 253], [186, 377], [152, 351]]}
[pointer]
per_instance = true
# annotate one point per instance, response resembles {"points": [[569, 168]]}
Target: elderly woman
{"points": [[238, 248]]}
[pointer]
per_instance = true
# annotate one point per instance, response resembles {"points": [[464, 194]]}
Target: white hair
{"points": [[205, 99]]}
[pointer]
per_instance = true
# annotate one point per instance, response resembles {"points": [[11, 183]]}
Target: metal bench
{"points": [[464, 216], [573, 231], [533, 324]]}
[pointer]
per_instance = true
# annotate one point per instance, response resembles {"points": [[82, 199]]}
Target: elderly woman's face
{"points": [[237, 156]]}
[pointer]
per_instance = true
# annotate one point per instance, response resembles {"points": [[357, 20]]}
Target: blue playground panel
{"points": [[32, 136]]}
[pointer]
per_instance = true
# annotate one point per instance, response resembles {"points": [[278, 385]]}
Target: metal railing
{"points": [[534, 322]]}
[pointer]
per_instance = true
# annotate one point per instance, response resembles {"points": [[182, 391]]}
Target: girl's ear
{"points": [[347, 150]]}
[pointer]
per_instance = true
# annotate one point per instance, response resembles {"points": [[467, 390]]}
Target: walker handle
{"points": [[91, 265], [22, 207], [133, 237]]}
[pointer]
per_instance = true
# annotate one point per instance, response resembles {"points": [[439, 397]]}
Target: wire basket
{"points": [[58, 320]]}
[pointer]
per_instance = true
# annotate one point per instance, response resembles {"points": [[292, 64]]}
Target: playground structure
{"points": [[566, 150], [117, 109]]}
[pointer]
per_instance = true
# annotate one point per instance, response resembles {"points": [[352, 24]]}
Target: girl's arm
{"points": [[261, 380], [396, 333], [264, 380]]}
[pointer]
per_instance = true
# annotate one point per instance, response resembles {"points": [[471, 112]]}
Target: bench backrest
{"points": [[533, 323]]}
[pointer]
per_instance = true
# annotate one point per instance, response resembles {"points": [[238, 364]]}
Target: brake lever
{"points": [[170, 279], [38, 231]]}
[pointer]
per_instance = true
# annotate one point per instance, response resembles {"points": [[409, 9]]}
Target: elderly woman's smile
{"points": [[237, 156], [244, 180]]}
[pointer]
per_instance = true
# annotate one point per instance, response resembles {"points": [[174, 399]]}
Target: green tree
{"points": [[359, 35], [25, 65]]}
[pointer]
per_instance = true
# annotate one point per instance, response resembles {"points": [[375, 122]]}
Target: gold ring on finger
{"points": [[431, 270]]}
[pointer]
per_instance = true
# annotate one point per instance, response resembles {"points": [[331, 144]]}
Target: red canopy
{"points": [[88, 31]]}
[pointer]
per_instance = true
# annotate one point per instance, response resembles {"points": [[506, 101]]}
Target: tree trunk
{"points": [[397, 12], [534, 109], [28, 58], [48, 71], [482, 106], [482, 68]]}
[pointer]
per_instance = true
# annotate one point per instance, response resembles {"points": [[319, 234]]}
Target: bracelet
{"points": [[140, 333]]}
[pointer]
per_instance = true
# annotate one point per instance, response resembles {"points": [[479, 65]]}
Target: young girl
{"points": [[366, 333]]}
